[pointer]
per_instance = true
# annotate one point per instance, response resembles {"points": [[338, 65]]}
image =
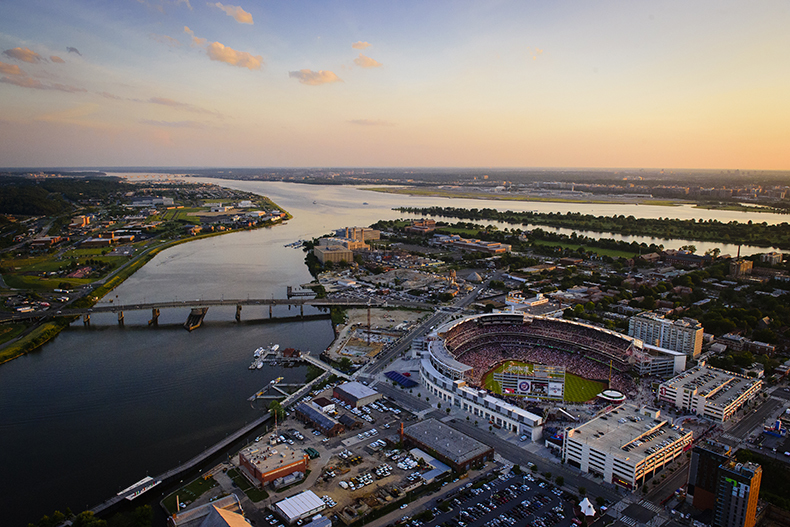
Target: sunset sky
{"points": [[278, 83]]}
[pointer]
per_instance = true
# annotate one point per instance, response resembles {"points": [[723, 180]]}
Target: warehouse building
{"points": [[626, 446], [303, 505], [709, 392], [328, 426], [356, 394], [266, 463], [450, 446]]}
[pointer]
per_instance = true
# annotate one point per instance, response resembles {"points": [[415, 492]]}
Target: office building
{"points": [[736, 494], [704, 473]]}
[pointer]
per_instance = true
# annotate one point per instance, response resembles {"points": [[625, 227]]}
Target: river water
{"points": [[99, 408]]}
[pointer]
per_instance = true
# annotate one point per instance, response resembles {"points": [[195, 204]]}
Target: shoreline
{"points": [[104, 287]]}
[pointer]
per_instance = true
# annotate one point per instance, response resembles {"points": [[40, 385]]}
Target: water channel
{"points": [[99, 408]]}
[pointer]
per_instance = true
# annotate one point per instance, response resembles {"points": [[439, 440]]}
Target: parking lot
{"points": [[506, 501]]}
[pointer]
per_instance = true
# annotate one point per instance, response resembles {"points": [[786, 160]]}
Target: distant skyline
{"points": [[696, 85]]}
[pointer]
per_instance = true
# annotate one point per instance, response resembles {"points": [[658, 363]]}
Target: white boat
{"points": [[275, 347], [260, 364], [257, 352]]}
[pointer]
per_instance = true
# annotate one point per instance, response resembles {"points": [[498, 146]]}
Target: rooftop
{"points": [[719, 387], [316, 416], [267, 458], [627, 432], [357, 390], [446, 441], [301, 504]]}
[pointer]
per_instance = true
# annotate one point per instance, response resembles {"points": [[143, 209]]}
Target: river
{"points": [[99, 408]]}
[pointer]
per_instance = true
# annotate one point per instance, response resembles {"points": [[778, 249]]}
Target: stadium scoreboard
{"points": [[540, 381]]}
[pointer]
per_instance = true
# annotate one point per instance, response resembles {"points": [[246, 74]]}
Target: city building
{"points": [[421, 226], [303, 505], [267, 463], [362, 234], [356, 394], [333, 253], [450, 446], [328, 426], [661, 362], [324, 404], [709, 392], [683, 335], [472, 244], [626, 446], [349, 243], [771, 258], [737, 491], [222, 512], [740, 268], [704, 473]]}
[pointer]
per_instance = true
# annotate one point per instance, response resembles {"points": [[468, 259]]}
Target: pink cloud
{"points": [[10, 69], [242, 59], [366, 62], [23, 54], [314, 78]]}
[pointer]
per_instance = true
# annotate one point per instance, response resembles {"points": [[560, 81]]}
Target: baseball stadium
{"points": [[506, 358]]}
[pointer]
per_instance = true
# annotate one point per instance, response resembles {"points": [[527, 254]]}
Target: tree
{"points": [[277, 410], [87, 519], [560, 480], [344, 364], [582, 491], [600, 501]]}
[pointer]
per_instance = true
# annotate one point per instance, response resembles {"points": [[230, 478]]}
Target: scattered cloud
{"points": [[314, 78], [370, 122], [10, 69], [536, 53], [196, 41], [29, 82], [242, 59], [361, 45], [164, 101], [73, 50], [166, 40], [366, 62], [184, 2], [173, 124], [55, 58], [108, 95], [23, 54], [240, 15]]}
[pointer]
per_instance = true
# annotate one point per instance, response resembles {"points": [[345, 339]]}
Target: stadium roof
{"points": [[316, 416], [357, 390], [446, 442], [301, 504]]}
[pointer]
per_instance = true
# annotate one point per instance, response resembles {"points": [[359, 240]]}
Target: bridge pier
{"points": [[238, 313], [301, 310], [86, 320], [270, 311], [120, 318], [154, 317]]}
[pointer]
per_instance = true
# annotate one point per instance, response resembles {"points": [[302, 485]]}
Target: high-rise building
{"points": [[683, 335], [704, 471], [736, 494]]}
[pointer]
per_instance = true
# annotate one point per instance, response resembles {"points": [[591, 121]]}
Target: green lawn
{"points": [[10, 331], [577, 389], [188, 493], [255, 494]]}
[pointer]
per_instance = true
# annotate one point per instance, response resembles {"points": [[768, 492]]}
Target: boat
{"points": [[257, 352], [253, 365], [260, 365], [275, 347]]}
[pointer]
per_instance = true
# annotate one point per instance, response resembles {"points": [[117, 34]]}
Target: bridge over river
{"points": [[200, 306]]}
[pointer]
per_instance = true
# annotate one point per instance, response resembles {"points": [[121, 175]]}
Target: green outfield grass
{"points": [[577, 389]]}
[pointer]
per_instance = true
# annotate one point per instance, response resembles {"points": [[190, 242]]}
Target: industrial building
{"points": [[333, 253], [457, 450], [303, 505], [356, 394], [266, 463], [626, 446], [709, 392], [223, 512], [328, 426], [683, 335]]}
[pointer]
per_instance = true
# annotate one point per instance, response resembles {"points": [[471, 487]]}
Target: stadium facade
{"points": [[456, 356]]}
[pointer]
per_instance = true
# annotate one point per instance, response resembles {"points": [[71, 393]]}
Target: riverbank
{"points": [[46, 330], [482, 195]]}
